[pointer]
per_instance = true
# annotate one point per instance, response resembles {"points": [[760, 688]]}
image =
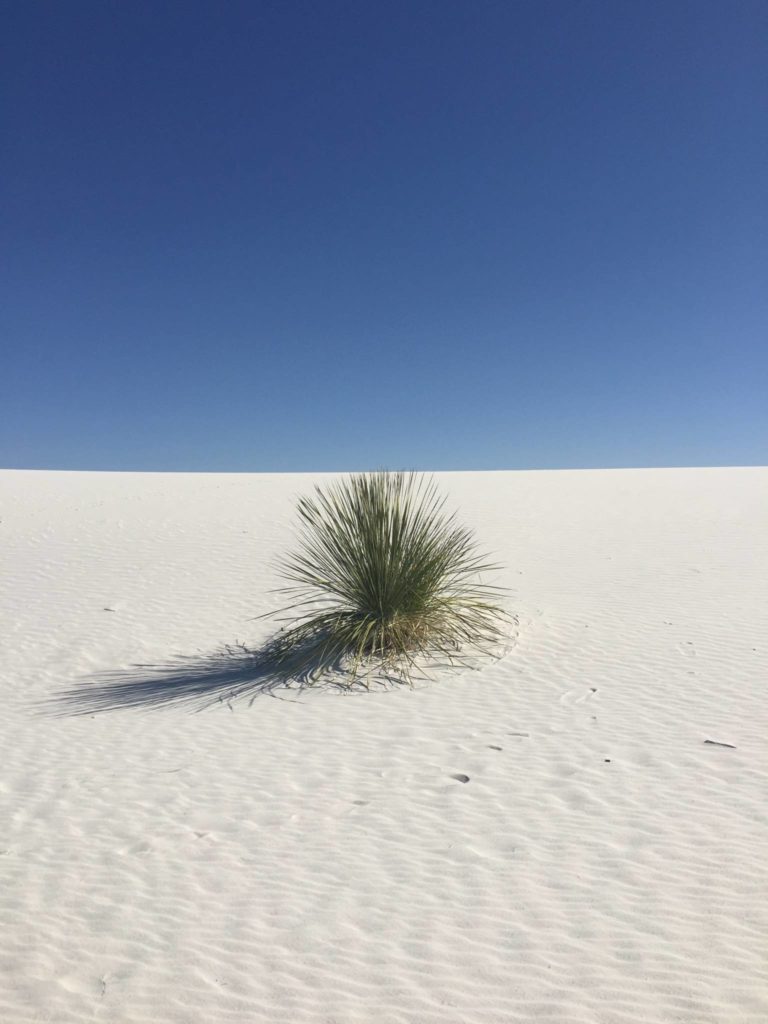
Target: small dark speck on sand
{"points": [[461, 778]]}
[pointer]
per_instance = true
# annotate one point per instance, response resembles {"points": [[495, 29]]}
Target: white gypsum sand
{"points": [[316, 859]]}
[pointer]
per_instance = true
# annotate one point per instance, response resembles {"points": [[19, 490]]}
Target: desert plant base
{"points": [[296, 667]]}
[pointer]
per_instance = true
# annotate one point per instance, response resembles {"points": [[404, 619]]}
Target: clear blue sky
{"points": [[277, 235]]}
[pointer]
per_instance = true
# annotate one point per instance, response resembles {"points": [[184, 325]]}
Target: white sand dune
{"points": [[313, 860]]}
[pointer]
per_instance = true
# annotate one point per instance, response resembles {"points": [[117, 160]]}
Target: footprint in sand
{"points": [[584, 694], [139, 849]]}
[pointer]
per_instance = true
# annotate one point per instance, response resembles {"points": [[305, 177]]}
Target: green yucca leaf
{"points": [[386, 578]]}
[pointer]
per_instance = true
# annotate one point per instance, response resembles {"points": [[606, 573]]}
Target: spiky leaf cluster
{"points": [[382, 578]]}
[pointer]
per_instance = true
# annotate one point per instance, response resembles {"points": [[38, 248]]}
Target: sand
{"points": [[313, 859]]}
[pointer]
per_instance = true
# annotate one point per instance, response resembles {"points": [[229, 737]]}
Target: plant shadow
{"points": [[196, 682], [222, 677]]}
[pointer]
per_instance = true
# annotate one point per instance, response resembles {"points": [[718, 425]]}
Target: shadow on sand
{"points": [[194, 682], [233, 673]]}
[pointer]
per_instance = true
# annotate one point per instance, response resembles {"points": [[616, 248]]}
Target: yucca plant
{"points": [[385, 580]]}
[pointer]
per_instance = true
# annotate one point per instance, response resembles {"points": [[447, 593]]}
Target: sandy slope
{"points": [[314, 860]]}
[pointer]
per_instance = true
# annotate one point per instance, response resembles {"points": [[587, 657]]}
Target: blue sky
{"points": [[273, 236]]}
